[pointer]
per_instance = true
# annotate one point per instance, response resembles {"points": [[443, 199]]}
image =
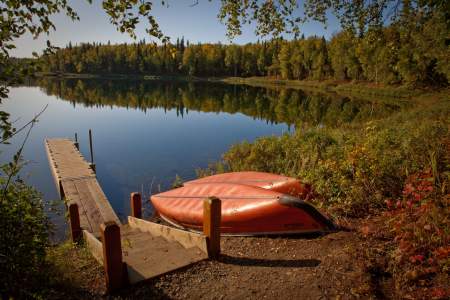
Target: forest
{"points": [[408, 52]]}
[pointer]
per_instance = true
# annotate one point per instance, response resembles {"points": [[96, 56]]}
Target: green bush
{"points": [[24, 231]]}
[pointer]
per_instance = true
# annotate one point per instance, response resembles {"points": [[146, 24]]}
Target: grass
{"points": [[72, 273]]}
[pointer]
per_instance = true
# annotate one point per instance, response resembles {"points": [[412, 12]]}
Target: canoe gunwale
{"points": [[222, 197]]}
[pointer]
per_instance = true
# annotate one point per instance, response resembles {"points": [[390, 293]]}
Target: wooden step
{"points": [[150, 256], [141, 241]]}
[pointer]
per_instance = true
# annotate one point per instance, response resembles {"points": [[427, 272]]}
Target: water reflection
{"points": [[272, 105]]}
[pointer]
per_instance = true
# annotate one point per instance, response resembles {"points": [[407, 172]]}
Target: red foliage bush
{"points": [[420, 224]]}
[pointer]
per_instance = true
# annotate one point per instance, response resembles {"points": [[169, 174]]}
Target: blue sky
{"points": [[197, 24]]}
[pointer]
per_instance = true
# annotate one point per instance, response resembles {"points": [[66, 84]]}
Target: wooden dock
{"points": [[77, 183], [132, 252]]}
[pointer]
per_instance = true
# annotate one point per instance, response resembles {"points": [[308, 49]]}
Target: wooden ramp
{"points": [[146, 249]]}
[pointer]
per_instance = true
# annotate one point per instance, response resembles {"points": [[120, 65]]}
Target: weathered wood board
{"points": [[66, 161], [78, 183], [94, 246]]}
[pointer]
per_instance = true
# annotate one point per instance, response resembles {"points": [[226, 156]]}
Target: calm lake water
{"points": [[147, 132]]}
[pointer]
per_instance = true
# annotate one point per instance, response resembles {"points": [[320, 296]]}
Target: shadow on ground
{"points": [[287, 263]]}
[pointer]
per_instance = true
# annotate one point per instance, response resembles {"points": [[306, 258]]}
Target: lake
{"points": [[145, 133]]}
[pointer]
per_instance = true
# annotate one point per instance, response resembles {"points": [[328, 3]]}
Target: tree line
{"points": [[406, 52]]}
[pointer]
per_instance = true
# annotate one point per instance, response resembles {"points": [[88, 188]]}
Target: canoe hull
{"points": [[246, 210]]}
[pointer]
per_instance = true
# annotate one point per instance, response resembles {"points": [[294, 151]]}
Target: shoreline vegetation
{"points": [[342, 86]]}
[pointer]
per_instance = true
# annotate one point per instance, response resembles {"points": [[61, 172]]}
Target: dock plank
{"points": [[66, 161], [73, 196], [103, 205], [77, 182], [92, 213]]}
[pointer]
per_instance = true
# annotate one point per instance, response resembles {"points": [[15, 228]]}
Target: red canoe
{"points": [[274, 182], [246, 210]]}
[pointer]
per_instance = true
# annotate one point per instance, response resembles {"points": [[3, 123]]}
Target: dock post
{"points": [[74, 218], [77, 145], [136, 205], [92, 164], [211, 225], [112, 256]]}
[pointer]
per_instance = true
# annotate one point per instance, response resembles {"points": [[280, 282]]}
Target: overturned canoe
{"points": [[246, 210], [278, 183]]}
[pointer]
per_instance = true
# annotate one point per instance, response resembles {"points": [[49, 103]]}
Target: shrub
{"points": [[412, 238], [24, 231]]}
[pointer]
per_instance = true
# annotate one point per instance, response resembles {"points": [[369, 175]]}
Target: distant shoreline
{"points": [[362, 88]]}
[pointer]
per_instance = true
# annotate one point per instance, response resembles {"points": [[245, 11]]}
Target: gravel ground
{"points": [[314, 267], [269, 268]]}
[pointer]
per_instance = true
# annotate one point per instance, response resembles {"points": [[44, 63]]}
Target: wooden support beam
{"points": [[136, 205], [92, 164], [115, 275], [212, 213], [77, 145], [74, 218]]}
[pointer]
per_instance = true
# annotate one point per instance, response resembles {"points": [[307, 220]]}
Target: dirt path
{"points": [[271, 268]]}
